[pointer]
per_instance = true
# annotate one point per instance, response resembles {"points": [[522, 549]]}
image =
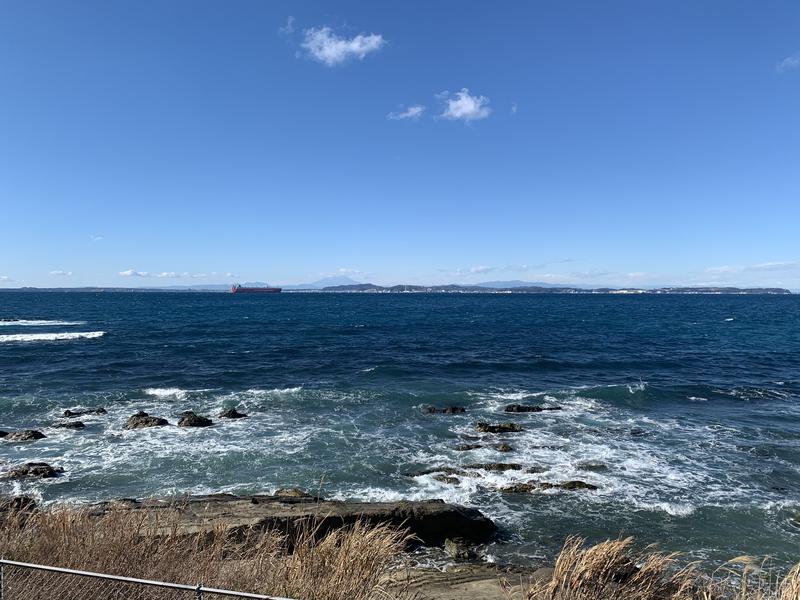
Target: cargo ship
{"points": [[239, 289]]}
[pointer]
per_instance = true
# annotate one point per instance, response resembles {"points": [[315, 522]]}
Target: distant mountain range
{"points": [[322, 283]]}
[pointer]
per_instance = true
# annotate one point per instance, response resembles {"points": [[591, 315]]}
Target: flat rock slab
{"points": [[430, 521]]}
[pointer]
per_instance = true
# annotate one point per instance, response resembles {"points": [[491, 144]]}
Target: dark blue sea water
{"points": [[683, 410]]}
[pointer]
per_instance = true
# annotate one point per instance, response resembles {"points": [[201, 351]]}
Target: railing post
{"points": [[2, 580], [198, 591]]}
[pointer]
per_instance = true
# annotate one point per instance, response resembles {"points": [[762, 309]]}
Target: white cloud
{"points": [[132, 273], [463, 106], [789, 63], [324, 46], [95, 238], [412, 112], [168, 275], [5, 278], [514, 108], [287, 29], [481, 269], [61, 273]]}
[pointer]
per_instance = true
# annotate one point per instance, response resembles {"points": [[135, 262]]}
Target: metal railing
{"points": [[26, 581]]}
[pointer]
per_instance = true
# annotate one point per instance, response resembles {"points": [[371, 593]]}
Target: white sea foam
{"points": [[38, 323], [178, 393], [50, 337]]}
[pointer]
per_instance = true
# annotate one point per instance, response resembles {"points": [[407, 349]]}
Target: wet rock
{"points": [[501, 467], [536, 469], [522, 408], [457, 549], [25, 435], [33, 470], [291, 493], [231, 413], [568, 485], [70, 414], [431, 470], [430, 521], [447, 479], [527, 488], [3, 434], [465, 447], [141, 419], [70, 425], [503, 448], [498, 428], [190, 419], [447, 410], [592, 465]]}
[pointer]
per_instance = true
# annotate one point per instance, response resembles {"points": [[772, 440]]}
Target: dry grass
{"points": [[344, 564], [614, 570]]}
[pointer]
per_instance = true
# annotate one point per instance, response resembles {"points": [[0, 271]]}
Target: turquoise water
{"points": [[683, 410]]}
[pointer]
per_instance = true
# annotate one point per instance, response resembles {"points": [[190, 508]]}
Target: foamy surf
{"points": [[50, 337]]}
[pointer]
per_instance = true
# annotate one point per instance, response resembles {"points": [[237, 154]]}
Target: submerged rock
{"points": [[25, 435], [447, 410], [79, 413], [141, 419], [70, 425], [498, 428], [503, 447], [495, 466], [33, 470], [231, 413], [522, 408], [431, 470], [430, 521], [190, 419], [465, 447]]}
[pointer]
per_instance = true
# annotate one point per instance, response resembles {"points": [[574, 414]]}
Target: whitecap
{"points": [[178, 393], [38, 323], [50, 337]]}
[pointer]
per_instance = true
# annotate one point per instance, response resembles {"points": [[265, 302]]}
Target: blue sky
{"points": [[621, 142]]}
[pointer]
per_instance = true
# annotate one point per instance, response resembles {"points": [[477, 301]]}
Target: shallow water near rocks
{"points": [[683, 410]]}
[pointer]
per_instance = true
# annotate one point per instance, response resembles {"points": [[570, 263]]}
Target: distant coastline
{"points": [[370, 288]]}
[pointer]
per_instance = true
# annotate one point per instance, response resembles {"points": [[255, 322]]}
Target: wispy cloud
{"points": [[759, 267], [481, 269], [95, 238], [412, 112], [463, 106], [789, 63], [287, 29], [5, 278], [61, 273], [324, 46], [514, 108]]}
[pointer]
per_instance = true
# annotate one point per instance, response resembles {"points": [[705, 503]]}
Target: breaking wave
{"points": [[50, 337], [37, 323]]}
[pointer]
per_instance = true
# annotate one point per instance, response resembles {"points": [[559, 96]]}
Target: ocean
{"points": [[684, 411]]}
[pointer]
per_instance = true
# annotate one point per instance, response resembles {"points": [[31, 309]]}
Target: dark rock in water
{"points": [[141, 419], [591, 465], [495, 466], [503, 448], [16, 504], [231, 413], [190, 419], [465, 447], [457, 549], [33, 470], [447, 479], [447, 410], [291, 493], [70, 425], [522, 408], [430, 521], [430, 470], [498, 428], [70, 414], [568, 485], [3, 434], [526, 488], [535, 469], [25, 435]]}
